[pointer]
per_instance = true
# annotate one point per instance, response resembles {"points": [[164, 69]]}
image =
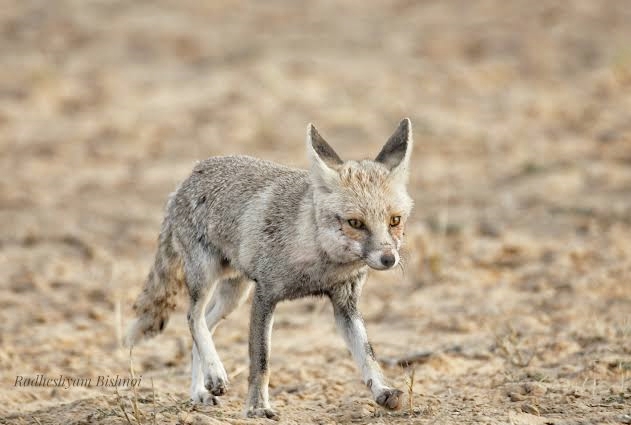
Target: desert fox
{"points": [[239, 222]]}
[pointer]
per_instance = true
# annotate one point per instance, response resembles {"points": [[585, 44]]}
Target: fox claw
{"points": [[204, 397], [263, 412], [217, 387], [390, 398]]}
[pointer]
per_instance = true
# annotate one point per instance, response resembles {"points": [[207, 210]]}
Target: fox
{"points": [[240, 224]]}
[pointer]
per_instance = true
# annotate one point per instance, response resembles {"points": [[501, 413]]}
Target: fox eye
{"points": [[355, 224], [395, 220]]}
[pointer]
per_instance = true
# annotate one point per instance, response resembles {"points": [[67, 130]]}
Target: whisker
{"points": [[404, 255]]}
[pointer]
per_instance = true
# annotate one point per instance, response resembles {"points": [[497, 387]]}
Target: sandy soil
{"points": [[516, 297]]}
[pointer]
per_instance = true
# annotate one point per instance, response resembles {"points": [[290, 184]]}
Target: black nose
{"points": [[387, 260]]}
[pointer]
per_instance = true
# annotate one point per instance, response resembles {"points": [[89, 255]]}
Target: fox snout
{"points": [[388, 260], [383, 259]]}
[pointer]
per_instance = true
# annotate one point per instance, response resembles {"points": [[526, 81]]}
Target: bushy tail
{"points": [[158, 297]]}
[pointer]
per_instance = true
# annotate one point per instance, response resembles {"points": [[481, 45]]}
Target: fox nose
{"points": [[388, 260]]}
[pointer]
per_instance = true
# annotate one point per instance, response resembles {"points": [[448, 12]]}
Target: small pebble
{"points": [[489, 228], [535, 389], [530, 408]]}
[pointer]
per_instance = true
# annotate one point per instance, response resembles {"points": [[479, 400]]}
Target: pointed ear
{"points": [[395, 154], [324, 160]]}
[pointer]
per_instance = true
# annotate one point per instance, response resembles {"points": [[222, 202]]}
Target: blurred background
{"points": [[515, 301]]}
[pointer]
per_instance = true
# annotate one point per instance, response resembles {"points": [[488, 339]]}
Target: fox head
{"points": [[361, 206]]}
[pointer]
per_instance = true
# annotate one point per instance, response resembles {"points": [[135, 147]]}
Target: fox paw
{"points": [[262, 412], [217, 381], [204, 397], [217, 386], [390, 398]]}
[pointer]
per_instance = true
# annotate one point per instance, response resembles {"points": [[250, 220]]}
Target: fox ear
{"points": [[395, 154], [324, 160]]}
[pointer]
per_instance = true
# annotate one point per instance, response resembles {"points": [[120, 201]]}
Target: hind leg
{"points": [[229, 294], [202, 268], [199, 393]]}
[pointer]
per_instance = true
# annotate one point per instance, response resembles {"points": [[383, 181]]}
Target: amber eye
{"points": [[355, 224], [395, 220]]}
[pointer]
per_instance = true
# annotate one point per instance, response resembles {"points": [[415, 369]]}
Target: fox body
{"points": [[239, 223]]}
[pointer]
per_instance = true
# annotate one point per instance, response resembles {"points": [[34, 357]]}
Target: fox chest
{"points": [[303, 284]]}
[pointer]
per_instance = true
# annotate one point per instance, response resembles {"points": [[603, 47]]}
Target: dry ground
{"points": [[517, 289]]}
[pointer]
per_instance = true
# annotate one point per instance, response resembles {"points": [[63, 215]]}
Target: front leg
{"points": [[351, 325], [261, 321]]}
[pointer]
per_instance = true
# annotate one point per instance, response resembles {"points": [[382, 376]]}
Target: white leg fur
{"points": [[215, 377], [228, 295], [356, 339], [199, 393]]}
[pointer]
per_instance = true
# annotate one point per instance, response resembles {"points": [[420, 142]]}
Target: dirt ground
{"points": [[515, 303]]}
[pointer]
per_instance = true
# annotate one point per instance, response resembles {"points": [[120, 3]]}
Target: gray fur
{"points": [[239, 219]]}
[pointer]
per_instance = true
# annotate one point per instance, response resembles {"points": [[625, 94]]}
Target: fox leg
{"points": [[199, 392], [229, 294], [261, 321], [201, 270], [351, 325]]}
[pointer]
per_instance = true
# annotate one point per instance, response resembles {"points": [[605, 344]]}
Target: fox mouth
{"points": [[375, 265], [382, 260], [378, 266]]}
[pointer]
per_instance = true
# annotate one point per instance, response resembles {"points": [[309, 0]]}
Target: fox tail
{"points": [[158, 297]]}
